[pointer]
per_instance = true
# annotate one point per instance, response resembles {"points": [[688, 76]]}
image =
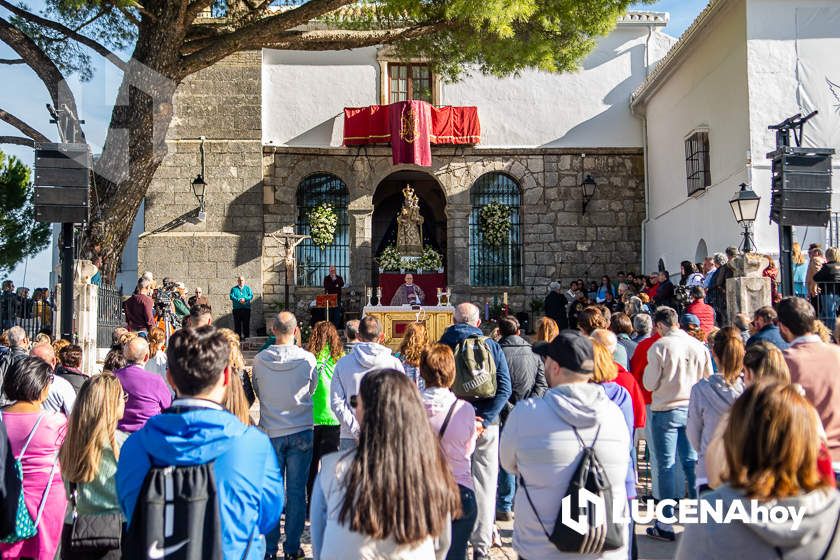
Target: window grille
{"points": [[495, 266], [312, 262], [697, 172]]}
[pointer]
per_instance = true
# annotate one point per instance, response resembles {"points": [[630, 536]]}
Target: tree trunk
{"points": [[136, 142]]}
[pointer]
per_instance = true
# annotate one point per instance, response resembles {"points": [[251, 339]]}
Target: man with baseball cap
{"points": [[540, 441]]}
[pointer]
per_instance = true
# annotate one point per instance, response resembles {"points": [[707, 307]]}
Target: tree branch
{"points": [[63, 29], [229, 38], [12, 61], [60, 93], [18, 141], [22, 126], [130, 17]]}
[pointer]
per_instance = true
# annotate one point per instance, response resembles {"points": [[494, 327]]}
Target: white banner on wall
{"points": [[818, 45]]}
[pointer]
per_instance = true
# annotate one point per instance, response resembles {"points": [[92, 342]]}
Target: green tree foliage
{"points": [[20, 235]]}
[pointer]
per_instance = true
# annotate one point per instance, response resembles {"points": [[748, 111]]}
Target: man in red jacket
{"points": [[699, 308]]}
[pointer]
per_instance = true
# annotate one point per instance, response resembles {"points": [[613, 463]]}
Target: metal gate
{"points": [[109, 316]]}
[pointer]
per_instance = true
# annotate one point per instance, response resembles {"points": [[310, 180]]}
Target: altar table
{"points": [[395, 319], [429, 283]]}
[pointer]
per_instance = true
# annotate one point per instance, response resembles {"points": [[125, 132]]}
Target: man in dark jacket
{"points": [[556, 305], [18, 350], [665, 291], [527, 379], [485, 459], [766, 329], [9, 305], [139, 308], [827, 279]]}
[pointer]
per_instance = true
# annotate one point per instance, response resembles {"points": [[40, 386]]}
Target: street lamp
{"points": [[744, 206], [588, 187], [199, 185]]}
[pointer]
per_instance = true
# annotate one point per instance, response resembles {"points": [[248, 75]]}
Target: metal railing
{"points": [[109, 314], [33, 315]]}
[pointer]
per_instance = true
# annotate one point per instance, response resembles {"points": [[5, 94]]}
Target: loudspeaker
{"points": [[62, 182], [801, 186]]}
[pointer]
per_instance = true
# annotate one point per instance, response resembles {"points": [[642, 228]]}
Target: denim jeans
{"points": [[505, 491], [463, 526], [670, 443], [294, 453]]}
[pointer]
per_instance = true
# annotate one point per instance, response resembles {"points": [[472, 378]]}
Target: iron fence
{"points": [[33, 314], [109, 314], [313, 262], [500, 265]]}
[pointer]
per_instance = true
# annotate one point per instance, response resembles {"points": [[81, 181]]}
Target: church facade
{"points": [[272, 123]]}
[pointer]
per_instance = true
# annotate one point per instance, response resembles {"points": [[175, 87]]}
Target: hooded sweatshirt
{"points": [[249, 483], [809, 541], [284, 378], [621, 397], [347, 376], [710, 399], [458, 441], [539, 444]]}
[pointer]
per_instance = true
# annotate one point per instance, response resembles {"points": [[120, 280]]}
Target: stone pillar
{"points": [[361, 252], [748, 290], [458, 249], [85, 321]]}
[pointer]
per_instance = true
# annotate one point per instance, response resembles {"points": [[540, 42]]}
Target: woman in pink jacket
{"points": [[455, 423], [36, 436]]}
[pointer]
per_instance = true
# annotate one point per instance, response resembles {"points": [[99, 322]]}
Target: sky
{"points": [[25, 96]]}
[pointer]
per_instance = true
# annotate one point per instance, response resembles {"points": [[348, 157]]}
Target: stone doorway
{"points": [[387, 201]]}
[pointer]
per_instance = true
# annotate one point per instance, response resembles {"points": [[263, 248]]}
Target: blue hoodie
{"points": [[621, 397], [248, 478], [488, 409]]}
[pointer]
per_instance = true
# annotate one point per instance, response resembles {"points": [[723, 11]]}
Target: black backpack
{"points": [[176, 516], [590, 476]]}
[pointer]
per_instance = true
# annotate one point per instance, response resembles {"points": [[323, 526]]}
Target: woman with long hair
{"points": [[547, 329], [392, 496], [35, 436], [414, 341], [800, 271], [326, 346], [240, 393], [454, 422], [157, 354], [771, 444], [604, 288], [711, 398], [89, 457]]}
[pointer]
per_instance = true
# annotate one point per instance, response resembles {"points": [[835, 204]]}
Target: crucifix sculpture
{"points": [[288, 240]]}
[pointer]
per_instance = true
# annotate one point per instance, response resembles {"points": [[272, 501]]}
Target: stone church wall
{"points": [[558, 240], [222, 103]]}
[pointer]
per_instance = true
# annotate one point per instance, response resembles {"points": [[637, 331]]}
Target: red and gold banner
{"points": [[416, 121]]}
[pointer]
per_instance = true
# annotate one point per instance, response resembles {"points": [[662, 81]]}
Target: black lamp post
{"points": [[745, 208], [588, 186], [199, 186]]}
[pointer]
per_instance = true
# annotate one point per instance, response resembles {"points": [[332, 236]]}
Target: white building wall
{"points": [[707, 89], [787, 75], [304, 94]]}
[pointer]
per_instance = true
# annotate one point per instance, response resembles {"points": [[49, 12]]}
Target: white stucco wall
{"points": [[304, 94], [787, 77], [707, 89]]}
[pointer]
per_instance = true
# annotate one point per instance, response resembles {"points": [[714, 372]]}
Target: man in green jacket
{"points": [[241, 296]]}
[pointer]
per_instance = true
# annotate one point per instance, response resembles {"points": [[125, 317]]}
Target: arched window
{"points": [[495, 265], [313, 262]]}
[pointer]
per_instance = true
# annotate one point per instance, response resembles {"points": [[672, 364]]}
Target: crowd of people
{"points": [[418, 453], [32, 312]]}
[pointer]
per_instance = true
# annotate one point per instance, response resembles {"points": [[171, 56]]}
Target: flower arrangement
{"points": [[430, 260], [389, 258], [322, 225], [494, 224]]}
